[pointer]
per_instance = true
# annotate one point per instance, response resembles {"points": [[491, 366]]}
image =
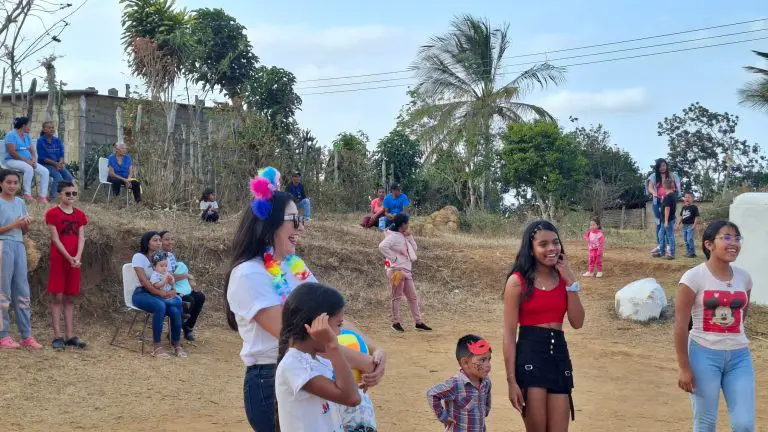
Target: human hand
{"points": [[169, 278], [72, 261], [321, 331], [379, 365], [127, 183], [564, 268], [449, 424], [686, 381], [516, 397]]}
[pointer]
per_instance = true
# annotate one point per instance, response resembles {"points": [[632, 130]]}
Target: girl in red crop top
{"points": [[540, 291]]}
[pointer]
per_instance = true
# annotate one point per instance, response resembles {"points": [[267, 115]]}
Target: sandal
{"points": [[160, 352], [179, 352]]}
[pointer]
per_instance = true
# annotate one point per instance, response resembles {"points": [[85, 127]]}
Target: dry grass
{"points": [[459, 278]]}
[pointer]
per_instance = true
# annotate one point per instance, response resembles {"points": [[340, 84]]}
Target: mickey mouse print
{"points": [[723, 311]]}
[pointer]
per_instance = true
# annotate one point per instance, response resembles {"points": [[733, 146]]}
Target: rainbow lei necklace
{"points": [[295, 265]]}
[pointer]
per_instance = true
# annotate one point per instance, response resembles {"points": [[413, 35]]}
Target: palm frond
{"points": [[755, 95], [527, 111], [540, 75]]}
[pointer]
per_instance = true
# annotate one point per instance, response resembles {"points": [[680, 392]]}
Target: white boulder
{"points": [[641, 300]]}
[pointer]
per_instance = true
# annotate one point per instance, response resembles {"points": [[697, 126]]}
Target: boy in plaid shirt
{"points": [[463, 401]]}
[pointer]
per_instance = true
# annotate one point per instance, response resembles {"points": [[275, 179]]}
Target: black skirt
{"points": [[542, 361]]}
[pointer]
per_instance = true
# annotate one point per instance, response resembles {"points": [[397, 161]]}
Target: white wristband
{"points": [[574, 287]]}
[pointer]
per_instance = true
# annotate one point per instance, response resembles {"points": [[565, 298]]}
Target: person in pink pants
{"points": [[399, 250], [595, 243]]}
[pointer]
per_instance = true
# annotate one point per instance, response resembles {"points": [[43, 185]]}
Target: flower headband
{"points": [[262, 187], [479, 348]]}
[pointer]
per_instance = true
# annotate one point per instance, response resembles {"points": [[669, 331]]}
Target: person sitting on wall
{"points": [[121, 172], [296, 189], [377, 209], [50, 154], [394, 203], [20, 156]]}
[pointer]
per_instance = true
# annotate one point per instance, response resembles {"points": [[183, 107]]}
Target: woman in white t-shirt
{"points": [[264, 271], [715, 354], [311, 390], [150, 299]]}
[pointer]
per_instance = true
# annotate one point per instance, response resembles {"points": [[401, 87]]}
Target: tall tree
{"points": [[755, 93], [156, 39], [270, 91], [705, 151], [221, 55], [401, 153], [461, 83], [538, 161], [613, 174]]}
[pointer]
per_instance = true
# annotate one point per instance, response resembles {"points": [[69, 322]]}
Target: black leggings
{"points": [[209, 217], [196, 300], [117, 184]]}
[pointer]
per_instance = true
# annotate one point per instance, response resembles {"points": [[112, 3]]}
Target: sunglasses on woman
{"points": [[297, 220]]}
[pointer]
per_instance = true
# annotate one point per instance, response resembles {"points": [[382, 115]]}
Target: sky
{"points": [[316, 40]]}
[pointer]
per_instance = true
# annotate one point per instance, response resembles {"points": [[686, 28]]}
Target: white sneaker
{"points": [[588, 274], [599, 274], [655, 250]]}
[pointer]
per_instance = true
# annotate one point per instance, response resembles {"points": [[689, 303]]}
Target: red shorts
{"points": [[62, 277]]}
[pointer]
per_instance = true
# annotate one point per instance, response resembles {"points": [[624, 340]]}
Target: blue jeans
{"points": [[159, 308], [14, 288], [690, 245], [667, 238], [730, 370], [56, 177], [259, 397], [304, 204]]}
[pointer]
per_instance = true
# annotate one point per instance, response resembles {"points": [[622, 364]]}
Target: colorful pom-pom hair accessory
{"points": [[262, 187]]}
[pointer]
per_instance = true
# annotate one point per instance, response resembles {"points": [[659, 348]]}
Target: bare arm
{"points": [[378, 354], [270, 319], [511, 316], [57, 242], [80, 244], [666, 215], [683, 304], [652, 189], [575, 310], [113, 174], [146, 284], [10, 227], [11, 150], [344, 389]]}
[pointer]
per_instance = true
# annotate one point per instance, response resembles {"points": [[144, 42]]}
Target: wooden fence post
{"points": [[82, 127], [623, 216], [384, 173], [119, 119]]}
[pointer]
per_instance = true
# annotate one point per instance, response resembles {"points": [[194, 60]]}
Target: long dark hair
{"points": [[305, 303], [399, 220], [712, 230], [206, 192], [252, 238], [656, 169], [525, 261], [144, 242]]}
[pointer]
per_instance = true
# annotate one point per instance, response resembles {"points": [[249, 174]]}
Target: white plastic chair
{"points": [[130, 283], [103, 180]]}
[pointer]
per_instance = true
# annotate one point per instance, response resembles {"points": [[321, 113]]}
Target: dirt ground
{"points": [[625, 373]]}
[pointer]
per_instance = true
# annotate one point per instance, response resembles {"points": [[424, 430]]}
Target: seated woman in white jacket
{"points": [[399, 250]]}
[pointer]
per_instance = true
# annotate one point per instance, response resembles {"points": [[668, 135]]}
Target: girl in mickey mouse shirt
{"points": [[715, 354]]}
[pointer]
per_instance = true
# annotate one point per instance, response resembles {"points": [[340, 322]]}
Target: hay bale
{"points": [[445, 220], [33, 255]]}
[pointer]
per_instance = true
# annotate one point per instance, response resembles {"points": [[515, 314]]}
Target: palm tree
{"points": [[755, 94], [462, 92]]}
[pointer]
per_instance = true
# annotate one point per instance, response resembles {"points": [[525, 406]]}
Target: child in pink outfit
{"points": [[399, 250], [595, 242]]}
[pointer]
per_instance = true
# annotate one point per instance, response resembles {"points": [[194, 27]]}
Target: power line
{"points": [[564, 66], [558, 50], [550, 60]]}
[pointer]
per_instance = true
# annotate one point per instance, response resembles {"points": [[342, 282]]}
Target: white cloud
{"points": [[567, 102]]}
